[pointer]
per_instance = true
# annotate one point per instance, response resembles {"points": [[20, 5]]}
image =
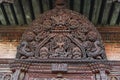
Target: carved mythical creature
{"points": [[24, 51], [98, 52]]}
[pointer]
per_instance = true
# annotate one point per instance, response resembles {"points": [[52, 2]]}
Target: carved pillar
{"points": [[97, 76], [19, 70], [100, 70], [103, 75], [16, 74]]}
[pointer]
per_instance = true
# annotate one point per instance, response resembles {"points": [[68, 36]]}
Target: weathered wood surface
{"points": [[106, 11], [116, 12], [9, 13], [77, 5], [96, 11], [25, 11], [2, 17], [45, 4], [36, 7], [86, 9], [18, 11]]}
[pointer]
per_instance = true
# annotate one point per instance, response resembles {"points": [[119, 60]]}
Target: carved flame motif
{"points": [[61, 34]]}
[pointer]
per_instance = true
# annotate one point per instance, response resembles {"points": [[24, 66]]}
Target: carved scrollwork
{"points": [[7, 77]]}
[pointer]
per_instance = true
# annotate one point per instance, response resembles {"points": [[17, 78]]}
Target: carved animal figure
{"points": [[24, 51], [98, 52]]}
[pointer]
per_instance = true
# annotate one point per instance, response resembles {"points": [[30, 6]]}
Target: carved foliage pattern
{"points": [[61, 34]]}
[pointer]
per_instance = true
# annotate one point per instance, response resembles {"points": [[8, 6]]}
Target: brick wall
{"points": [[8, 49], [113, 51]]}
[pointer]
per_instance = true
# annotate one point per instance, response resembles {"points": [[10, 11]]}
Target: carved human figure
{"points": [[59, 50], [44, 53]]}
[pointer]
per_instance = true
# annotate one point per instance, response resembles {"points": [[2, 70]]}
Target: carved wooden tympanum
{"points": [[60, 45], [61, 34]]}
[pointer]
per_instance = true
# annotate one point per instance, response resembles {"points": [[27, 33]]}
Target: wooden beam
{"points": [[2, 17], [76, 5], [26, 8], [119, 22], [36, 7], [9, 14], [96, 11], [18, 12], [115, 14], [45, 5], [86, 9], [106, 12], [7, 1]]}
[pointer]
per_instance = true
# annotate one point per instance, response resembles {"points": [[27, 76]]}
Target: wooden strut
{"points": [[8, 1]]}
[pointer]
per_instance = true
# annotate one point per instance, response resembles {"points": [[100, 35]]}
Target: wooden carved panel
{"points": [[60, 35]]}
